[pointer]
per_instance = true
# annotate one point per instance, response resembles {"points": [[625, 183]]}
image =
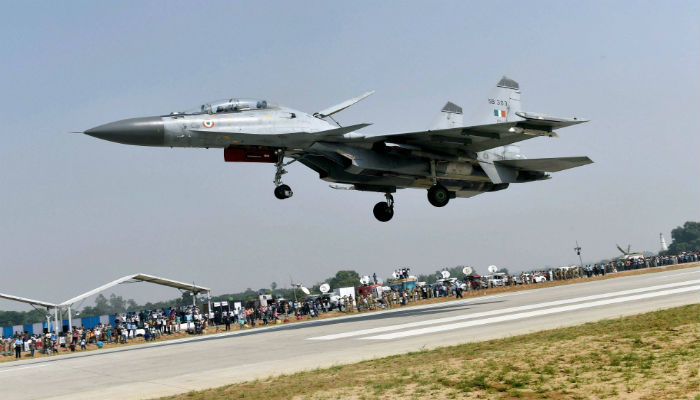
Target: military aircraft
{"points": [[448, 160], [628, 254]]}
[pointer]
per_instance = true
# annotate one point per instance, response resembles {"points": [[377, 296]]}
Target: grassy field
{"points": [[648, 356], [478, 293]]}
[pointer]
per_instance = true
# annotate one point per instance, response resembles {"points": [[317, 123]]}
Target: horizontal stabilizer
{"points": [[546, 164], [342, 106]]}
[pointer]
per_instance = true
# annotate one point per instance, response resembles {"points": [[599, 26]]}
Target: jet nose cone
{"points": [[146, 131]]}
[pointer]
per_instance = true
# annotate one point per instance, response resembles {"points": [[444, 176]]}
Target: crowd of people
{"points": [[283, 311], [26, 343], [401, 273], [152, 324], [620, 265], [149, 325]]}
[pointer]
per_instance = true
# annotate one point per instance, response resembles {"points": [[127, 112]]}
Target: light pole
{"points": [[577, 249]]}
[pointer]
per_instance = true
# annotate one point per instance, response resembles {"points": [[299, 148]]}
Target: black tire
{"points": [[283, 192], [383, 212], [438, 195]]}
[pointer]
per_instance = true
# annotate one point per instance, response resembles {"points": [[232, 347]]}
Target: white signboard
{"points": [[347, 291]]}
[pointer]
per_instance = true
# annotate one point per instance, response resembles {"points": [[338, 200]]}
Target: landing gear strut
{"points": [[438, 195], [384, 210], [282, 191]]}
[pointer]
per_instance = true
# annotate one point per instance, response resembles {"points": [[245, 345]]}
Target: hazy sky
{"points": [[76, 211]]}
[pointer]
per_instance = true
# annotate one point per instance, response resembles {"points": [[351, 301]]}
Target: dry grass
{"points": [[649, 356]]}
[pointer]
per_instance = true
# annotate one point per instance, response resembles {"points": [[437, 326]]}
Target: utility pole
{"points": [[294, 286], [577, 249]]}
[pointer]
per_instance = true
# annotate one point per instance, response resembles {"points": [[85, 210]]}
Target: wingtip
{"points": [[361, 125]]}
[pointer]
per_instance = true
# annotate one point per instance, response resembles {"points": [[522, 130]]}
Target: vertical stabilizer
{"points": [[450, 117], [500, 106]]}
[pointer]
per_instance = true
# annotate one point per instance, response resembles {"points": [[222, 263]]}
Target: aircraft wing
{"points": [[480, 137], [546, 164]]}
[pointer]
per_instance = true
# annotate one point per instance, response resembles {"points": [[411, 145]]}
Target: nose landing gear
{"points": [[282, 191], [384, 210]]}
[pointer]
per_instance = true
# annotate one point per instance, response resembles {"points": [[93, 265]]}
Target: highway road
{"points": [[159, 369]]}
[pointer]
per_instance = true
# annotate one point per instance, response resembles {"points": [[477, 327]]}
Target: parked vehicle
{"points": [[497, 279]]}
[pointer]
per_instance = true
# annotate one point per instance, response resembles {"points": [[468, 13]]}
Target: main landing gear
{"points": [[282, 191], [384, 210], [438, 195]]}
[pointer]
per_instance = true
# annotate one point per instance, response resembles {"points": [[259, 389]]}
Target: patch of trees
{"points": [[21, 317], [685, 238]]}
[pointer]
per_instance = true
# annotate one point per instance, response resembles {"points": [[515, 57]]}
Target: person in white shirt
{"points": [[18, 347]]}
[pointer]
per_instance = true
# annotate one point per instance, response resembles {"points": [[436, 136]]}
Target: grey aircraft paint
{"points": [[449, 159]]}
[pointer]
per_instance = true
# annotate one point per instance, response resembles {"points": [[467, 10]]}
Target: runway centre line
{"points": [[370, 331], [530, 314]]}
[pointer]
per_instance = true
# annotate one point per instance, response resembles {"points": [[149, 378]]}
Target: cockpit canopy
{"points": [[228, 106]]}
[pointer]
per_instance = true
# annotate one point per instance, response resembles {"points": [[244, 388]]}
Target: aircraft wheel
{"points": [[383, 212], [438, 195], [283, 192]]}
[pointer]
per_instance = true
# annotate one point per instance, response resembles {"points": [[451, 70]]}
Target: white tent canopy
{"points": [[134, 277], [37, 303], [28, 301], [139, 277]]}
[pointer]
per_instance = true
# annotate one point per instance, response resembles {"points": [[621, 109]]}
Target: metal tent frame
{"points": [[141, 278], [134, 277], [41, 303]]}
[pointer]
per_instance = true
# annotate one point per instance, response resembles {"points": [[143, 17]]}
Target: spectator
{"points": [[18, 346]]}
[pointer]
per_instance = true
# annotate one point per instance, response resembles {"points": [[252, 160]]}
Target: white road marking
{"points": [[684, 273], [27, 367], [497, 312], [530, 314]]}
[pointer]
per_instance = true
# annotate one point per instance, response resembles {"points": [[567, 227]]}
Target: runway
{"points": [[159, 369]]}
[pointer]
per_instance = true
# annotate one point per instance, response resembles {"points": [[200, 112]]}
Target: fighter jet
{"points": [[448, 160]]}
